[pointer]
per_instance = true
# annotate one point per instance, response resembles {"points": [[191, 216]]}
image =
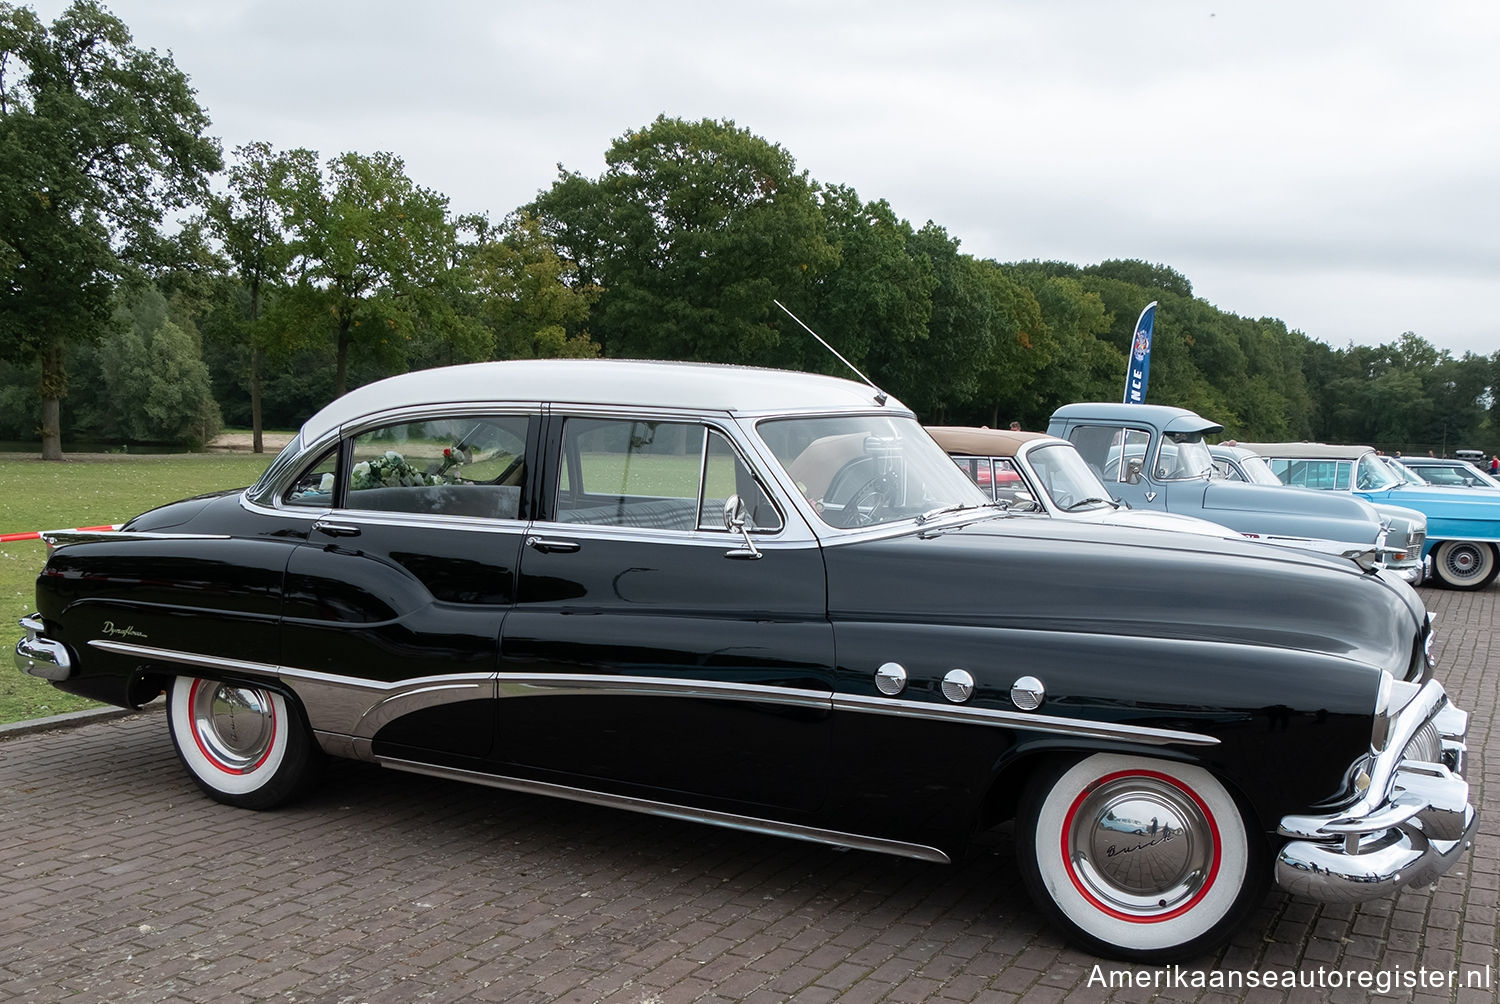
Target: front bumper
{"points": [[1412, 575], [1414, 821], [37, 656]]}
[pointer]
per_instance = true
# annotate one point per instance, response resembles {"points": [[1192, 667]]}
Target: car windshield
{"points": [[1372, 475], [1184, 456], [865, 470], [1468, 470], [1402, 473], [1258, 472], [1067, 479]]}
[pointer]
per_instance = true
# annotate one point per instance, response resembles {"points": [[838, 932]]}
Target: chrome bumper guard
{"points": [[1413, 823], [39, 657]]}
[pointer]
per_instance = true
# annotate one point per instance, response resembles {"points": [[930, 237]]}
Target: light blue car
{"points": [[1463, 524], [1408, 526], [1155, 457]]}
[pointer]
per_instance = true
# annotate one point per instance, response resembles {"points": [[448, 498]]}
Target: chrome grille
{"points": [[1417, 540], [1426, 745]]}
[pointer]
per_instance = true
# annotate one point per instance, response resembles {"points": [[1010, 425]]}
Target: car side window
{"points": [[725, 474], [1009, 485], [314, 487], [1113, 453], [654, 475], [981, 471], [1324, 474], [469, 466]]}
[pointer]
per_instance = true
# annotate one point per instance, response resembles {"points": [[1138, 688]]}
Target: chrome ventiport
{"points": [[1027, 693], [890, 679], [958, 685]]}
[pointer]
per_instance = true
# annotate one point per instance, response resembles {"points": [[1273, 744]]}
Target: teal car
{"points": [[1463, 525]]}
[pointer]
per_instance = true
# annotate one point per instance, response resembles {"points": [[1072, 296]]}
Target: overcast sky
{"points": [[1331, 164]]}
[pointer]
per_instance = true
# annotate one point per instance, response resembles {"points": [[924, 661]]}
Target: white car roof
{"points": [[741, 390]]}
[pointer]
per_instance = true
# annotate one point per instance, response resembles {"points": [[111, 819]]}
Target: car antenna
{"points": [[880, 395]]}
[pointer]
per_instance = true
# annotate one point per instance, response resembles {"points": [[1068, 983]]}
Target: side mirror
{"points": [[736, 518], [1133, 471]]}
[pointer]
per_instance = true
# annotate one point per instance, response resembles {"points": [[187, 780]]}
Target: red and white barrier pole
{"points": [[6, 538]]}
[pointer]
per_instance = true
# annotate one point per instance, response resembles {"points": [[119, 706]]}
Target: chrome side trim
{"points": [[361, 708], [62, 538], [358, 708], [186, 658], [562, 684], [730, 820], [334, 704], [1023, 721], [534, 685]]}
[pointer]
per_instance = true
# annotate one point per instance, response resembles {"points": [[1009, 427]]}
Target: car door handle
{"points": [[336, 529], [550, 545]]}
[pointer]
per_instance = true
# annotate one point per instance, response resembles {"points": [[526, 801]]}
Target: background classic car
{"points": [[1155, 457], [1446, 473], [1035, 472], [1016, 468], [768, 600], [1407, 527], [1463, 525]]}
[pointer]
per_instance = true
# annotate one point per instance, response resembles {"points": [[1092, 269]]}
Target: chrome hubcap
{"points": [[1140, 846], [1462, 561], [234, 726]]}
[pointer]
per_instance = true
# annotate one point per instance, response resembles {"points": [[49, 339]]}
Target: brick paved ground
{"points": [[120, 882]]}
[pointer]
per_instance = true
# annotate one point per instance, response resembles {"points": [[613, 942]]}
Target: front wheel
{"points": [[244, 746], [1464, 564], [1140, 859]]}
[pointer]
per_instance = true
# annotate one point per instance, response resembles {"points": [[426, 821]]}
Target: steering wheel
{"points": [[875, 493]]}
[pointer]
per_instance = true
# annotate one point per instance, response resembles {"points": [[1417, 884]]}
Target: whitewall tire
{"points": [[1137, 858], [1464, 564], [244, 746]]}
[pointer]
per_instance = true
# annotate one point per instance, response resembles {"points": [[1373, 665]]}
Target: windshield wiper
{"points": [[1089, 501], [932, 514]]}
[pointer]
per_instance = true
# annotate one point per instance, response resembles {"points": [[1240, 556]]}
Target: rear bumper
{"points": [[1414, 823], [40, 657]]}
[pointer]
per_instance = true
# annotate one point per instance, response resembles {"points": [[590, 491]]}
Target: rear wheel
{"points": [[244, 746], [1464, 564], [1140, 859]]}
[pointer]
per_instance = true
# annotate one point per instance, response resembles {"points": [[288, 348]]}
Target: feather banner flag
{"points": [[1138, 366]]}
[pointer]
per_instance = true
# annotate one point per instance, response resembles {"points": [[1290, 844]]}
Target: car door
{"points": [[651, 651], [1120, 456], [393, 608]]}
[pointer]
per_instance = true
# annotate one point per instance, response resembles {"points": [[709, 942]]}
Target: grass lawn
{"points": [[85, 490]]}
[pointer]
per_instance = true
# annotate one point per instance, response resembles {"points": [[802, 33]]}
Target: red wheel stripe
{"points": [[1067, 857]]}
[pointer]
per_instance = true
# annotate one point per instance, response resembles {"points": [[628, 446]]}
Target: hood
{"points": [[1081, 578], [1155, 519], [1401, 517], [1481, 503], [1239, 495]]}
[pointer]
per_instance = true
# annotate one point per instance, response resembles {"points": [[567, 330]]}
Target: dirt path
{"points": [[271, 442]]}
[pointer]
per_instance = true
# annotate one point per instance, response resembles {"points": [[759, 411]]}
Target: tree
{"points": [[876, 301], [248, 222], [99, 141], [692, 230], [373, 254], [530, 296]]}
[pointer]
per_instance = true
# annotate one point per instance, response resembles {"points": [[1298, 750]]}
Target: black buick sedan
{"points": [[769, 601]]}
